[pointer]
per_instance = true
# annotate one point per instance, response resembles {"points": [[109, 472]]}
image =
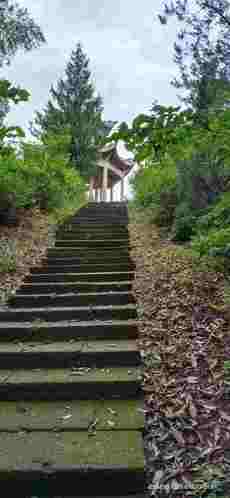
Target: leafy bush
{"points": [[217, 216], [155, 187], [211, 234], [39, 180], [215, 243], [8, 252], [184, 223]]}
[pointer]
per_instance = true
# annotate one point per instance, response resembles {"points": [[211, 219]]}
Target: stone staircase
{"points": [[71, 417]]}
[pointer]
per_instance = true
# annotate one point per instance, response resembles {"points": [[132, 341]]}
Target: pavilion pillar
{"points": [[122, 189], [96, 194], [91, 182], [105, 183], [111, 194]]}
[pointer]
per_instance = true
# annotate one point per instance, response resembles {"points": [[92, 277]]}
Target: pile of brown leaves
{"points": [[183, 325], [30, 240]]}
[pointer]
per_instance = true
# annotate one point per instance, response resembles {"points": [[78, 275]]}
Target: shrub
{"points": [[215, 243], [8, 253], [40, 180], [155, 187], [184, 223], [217, 216]]}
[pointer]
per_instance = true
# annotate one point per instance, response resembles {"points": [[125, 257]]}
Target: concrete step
{"points": [[87, 215], [70, 229], [88, 236], [80, 277], [69, 354], [85, 259], [94, 228], [90, 222], [90, 253], [78, 287], [72, 416], [93, 243], [71, 299], [70, 384], [59, 463], [83, 268], [36, 330], [92, 240], [81, 313]]}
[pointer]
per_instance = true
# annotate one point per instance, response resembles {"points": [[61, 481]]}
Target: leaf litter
{"points": [[182, 331]]}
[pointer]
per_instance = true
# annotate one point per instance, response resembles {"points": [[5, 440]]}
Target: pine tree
{"points": [[75, 105]]}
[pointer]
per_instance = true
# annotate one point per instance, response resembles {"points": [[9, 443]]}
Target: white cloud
{"points": [[129, 51]]}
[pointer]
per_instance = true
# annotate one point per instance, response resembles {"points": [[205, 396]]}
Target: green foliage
{"points": [[18, 31], [8, 253], [218, 216], [211, 230], [201, 52], [9, 94], [215, 243], [152, 138], [155, 188], [43, 178], [74, 105]]}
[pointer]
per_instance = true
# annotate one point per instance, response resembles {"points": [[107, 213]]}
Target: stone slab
{"points": [[72, 299], [66, 330], [80, 313], [69, 384], [62, 288], [81, 277], [73, 415], [84, 267], [71, 448], [58, 464], [68, 354]]}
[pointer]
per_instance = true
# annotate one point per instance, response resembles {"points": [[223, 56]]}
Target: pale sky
{"points": [[131, 55]]}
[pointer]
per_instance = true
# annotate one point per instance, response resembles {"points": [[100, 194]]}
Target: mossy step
{"points": [[85, 258], [70, 383], [65, 330], [88, 223], [91, 253], [76, 287], [72, 299], [99, 234], [99, 415], [75, 448], [81, 277], [63, 354], [80, 313], [84, 267], [62, 287], [49, 463], [78, 232], [93, 242]]}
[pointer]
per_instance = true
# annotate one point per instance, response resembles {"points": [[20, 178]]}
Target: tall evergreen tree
{"points": [[75, 105], [202, 51]]}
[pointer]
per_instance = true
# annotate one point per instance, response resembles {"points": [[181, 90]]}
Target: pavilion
{"points": [[111, 169]]}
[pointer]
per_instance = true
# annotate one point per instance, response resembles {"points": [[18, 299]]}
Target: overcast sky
{"points": [[129, 51]]}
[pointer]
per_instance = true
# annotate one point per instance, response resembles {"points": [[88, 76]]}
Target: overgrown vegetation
{"points": [[184, 175]]}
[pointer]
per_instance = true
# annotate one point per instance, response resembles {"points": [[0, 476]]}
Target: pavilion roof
{"points": [[110, 153]]}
